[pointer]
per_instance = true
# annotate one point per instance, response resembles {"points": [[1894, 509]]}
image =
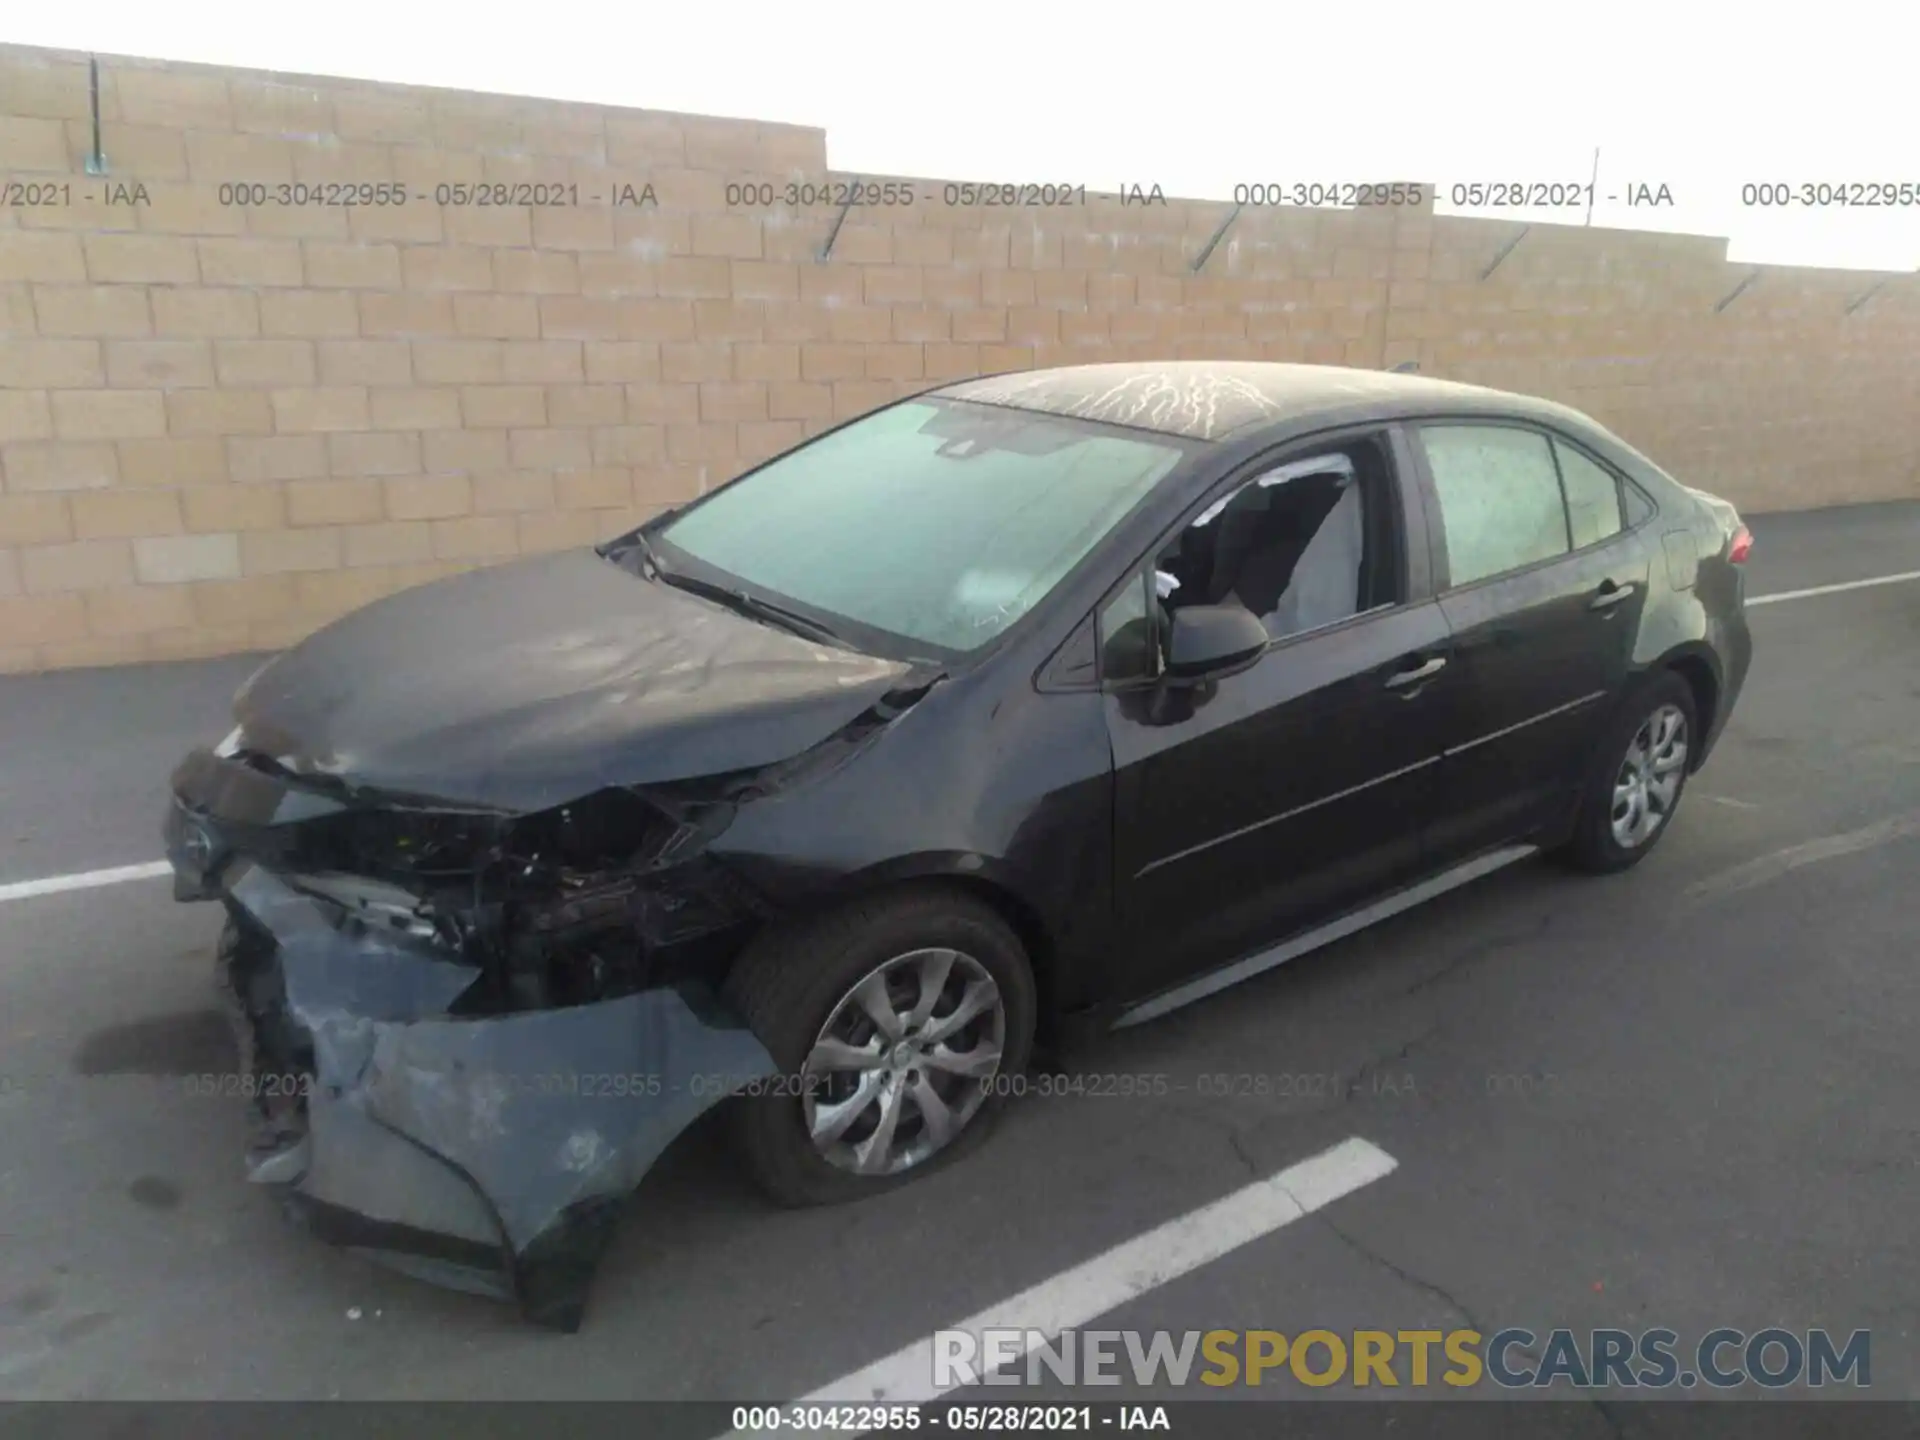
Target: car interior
{"points": [[1302, 545]]}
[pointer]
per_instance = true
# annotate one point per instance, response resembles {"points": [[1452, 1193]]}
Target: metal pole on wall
{"points": [[96, 160], [1873, 290]]}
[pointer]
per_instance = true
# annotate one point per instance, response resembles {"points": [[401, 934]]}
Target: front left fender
{"points": [[490, 1152]]}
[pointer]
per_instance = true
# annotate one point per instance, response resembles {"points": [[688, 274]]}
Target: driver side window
{"points": [[1303, 544]]}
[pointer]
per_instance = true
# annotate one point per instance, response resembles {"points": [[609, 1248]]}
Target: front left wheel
{"points": [[890, 1022]]}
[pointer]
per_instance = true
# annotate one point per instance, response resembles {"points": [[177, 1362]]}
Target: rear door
{"points": [[1542, 583], [1270, 799]]}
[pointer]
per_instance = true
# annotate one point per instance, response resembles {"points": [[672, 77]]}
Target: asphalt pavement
{"points": [[1680, 1097]]}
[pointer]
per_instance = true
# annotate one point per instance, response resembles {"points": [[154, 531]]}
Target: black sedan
{"points": [[1028, 706]]}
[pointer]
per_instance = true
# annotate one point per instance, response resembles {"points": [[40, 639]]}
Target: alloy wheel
{"points": [[1648, 782], [904, 1061]]}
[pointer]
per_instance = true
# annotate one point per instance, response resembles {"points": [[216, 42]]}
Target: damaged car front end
{"points": [[471, 1020], [464, 1041]]}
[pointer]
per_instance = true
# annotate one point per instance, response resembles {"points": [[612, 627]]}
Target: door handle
{"points": [[1611, 595], [1419, 672]]}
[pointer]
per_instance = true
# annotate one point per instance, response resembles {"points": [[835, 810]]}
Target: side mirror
{"points": [[1212, 639]]}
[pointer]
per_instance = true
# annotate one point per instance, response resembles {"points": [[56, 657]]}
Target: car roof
{"points": [[1213, 399]]}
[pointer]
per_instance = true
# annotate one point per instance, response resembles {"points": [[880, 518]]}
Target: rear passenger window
{"points": [[1500, 503], [1593, 497]]}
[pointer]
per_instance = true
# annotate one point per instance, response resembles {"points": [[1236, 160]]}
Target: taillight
{"points": [[1740, 546]]}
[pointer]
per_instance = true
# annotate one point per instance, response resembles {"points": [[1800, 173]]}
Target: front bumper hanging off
{"points": [[487, 1153]]}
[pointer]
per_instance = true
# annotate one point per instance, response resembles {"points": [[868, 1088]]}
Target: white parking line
{"points": [[1773, 865], [85, 880], [1834, 589], [1108, 1281]]}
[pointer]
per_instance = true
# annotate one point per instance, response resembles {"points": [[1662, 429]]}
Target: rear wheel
{"points": [[890, 1021], [1638, 778]]}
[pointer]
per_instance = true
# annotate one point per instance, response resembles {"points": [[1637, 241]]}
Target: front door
{"points": [[1256, 805]]}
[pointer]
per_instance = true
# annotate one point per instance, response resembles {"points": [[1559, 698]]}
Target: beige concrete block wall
{"points": [[222, 425]]}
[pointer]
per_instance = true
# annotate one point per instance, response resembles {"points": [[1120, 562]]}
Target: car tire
{"points": [[1623, 784], [802, 986]]}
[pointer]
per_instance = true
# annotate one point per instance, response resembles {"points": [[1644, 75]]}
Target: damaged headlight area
{"points": [[468, 1034], [587, 902]]}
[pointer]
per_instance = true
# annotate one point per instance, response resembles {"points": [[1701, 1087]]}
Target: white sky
{"points": [[1195, 97]]}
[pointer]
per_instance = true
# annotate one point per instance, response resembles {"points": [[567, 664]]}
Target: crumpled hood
{"points": [[528, 684]]}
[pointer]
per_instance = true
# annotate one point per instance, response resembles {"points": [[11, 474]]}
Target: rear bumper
{"points": [[1734, 645], [488, 1153]]}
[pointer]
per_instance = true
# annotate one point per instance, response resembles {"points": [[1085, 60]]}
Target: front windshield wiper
{"points": [[749, 605], [628, 548], [637, 548]]}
